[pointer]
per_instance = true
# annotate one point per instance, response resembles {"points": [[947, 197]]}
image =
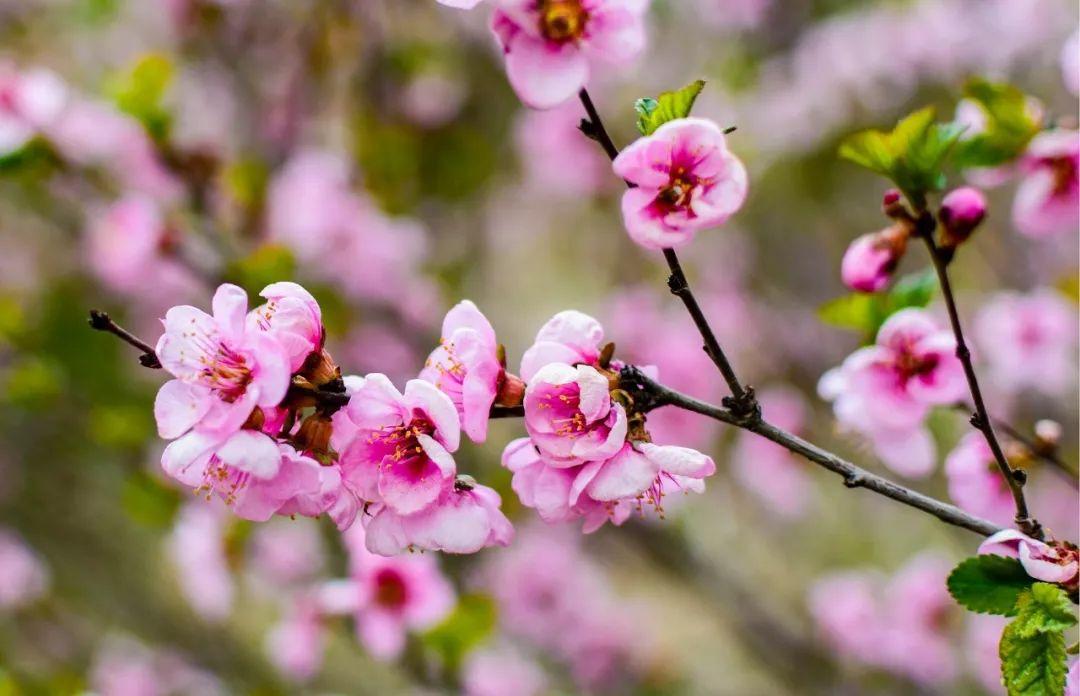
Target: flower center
{"points": [[566, 413], [1065, 174], [911, 365], [562, 21], [403, 444], [679, 190], [390, 590], [228, 374]]}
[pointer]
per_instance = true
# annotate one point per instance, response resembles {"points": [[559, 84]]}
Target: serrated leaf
{"points": [[1045, 609], [1032, 666], [912, 155], [669, 106], [1010, 125], [989, 584]]}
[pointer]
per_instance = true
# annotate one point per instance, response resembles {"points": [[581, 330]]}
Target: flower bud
{"points": [[892, 204], [961, 212], [871, 259]]}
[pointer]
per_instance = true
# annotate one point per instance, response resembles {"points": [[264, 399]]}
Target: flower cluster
{"points": [[588, 454]]}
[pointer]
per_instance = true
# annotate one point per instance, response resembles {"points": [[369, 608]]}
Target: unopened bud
{"points": [[314, 435], [962, 210], [511, 390], [320, 369], [870, 260], [1047, 435], [892, 204]]}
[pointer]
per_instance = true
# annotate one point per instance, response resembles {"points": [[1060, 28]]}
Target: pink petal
{"points": [[185, 459], [230, 309], [426, 397], [544, 75], [680, 461], [381, 633], [466, 315], [179, 406], [626, 475], [252, 452]]}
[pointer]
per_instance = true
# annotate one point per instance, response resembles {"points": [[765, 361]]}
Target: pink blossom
{"points": [[1057, 562], [885, 391], [464, 519], [1072, 679], [197, 549], [570, 416], [293, 317], [981, 648], [286, 552], [684, 180], [871, 259], [552, 46], [962, 210], [846, 611], [396, 447], [296, 644], [29, 101], [1070, 64], [768, 470], [389, 596], [500, 672], [569, 337], [125, 667], [23, 575], [466, 367], [976, 483], [1028, 341], [556, 158], [460, 4], [224, 369], [1048, 199]]}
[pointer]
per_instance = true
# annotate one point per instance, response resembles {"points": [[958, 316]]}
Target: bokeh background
{"points": [[372, 150]]}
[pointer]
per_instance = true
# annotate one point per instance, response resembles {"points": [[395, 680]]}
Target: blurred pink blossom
{"points": [[295, 645], [975, 481], [501, 671], [23, 575], [30, 101], [551, 47], [557, 159], [1048, 198], [1070, 63], [286, 553], [125, 667], [197, 549], [981, 648], [1028, 341], [776, 476], [685, 180]]}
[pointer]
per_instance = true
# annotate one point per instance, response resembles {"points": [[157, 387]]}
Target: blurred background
{"points": [[373, 151]]}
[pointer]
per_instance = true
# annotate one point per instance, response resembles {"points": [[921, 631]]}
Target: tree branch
{"points": [[742, 400], [653, 394], [981, 419]]}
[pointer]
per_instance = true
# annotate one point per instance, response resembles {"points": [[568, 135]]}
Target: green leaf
{"points": [[1010, 125], [471, 622], [140, 91], [912, 155], [865, 312], [1034, 665], [267, 264], [148, 501], [1046, 609], [989, 584], [653, 113]]}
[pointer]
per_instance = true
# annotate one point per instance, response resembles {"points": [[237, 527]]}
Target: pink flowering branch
{"points": [[980, 420], [651, 394], [741, 401]]}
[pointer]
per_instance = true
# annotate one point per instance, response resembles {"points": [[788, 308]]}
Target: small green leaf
{"points": [[1032, 666], [471, 622], [148, 501], [140, 91], [1010, 125], [653, 113], [854, 311], [865, 312], [989, 584], [913, 290], [912, 154], [1045, 609], [267, 264]]}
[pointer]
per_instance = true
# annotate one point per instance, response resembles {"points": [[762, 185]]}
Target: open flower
{"points": [[684, 180], [398, 445], [570, 337], [224, 368], [570, 416], [293, 317], [389, 596], [465, 518], [1048, 199], [1057, 562], [552, 45], [467, 367]]}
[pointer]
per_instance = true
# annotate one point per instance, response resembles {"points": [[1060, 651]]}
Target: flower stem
{"points": [[980, 420], [742, 401]]}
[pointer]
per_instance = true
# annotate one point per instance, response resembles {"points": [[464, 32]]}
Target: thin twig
{"points": [[1037, 450], [981, 419], [653, 394], [101, 321], [742, 401]]}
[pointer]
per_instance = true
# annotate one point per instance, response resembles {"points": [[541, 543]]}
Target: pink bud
{"points": [[891, 196], [961, 212], [872, 258]]}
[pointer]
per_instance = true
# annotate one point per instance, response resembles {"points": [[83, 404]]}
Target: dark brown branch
{"points": [[981, 419], [101, 321], [741, 401], [1034, 447], [653, 394]]}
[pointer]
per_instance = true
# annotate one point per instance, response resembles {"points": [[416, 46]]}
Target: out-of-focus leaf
{"points": [[1069, 286], [989, 584], [246, 180], [1033, 665], [457, 162], [653, 113], [912, 155], [267, 264], [35, 159], [95, 12], [123, 426], [140, 90], [33, 382], [12, 319], [864, 313], [390, 157], [1045, 609], [149, 502], [471, 622], [1010, 125]]}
